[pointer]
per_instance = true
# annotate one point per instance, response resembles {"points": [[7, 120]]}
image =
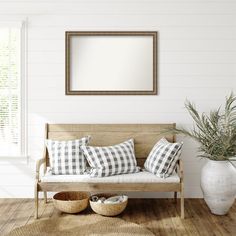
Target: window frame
{"points": [[22, 25]]}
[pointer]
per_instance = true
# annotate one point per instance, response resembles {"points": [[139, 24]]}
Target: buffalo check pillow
{"points": [[111, 160], [163, 158], [66, 157]]}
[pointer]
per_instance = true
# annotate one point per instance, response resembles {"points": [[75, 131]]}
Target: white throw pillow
{"points": [[111, 160], [66, 157], [163, 158]]}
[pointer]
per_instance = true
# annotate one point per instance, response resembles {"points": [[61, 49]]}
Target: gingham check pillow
{"points": [[163, 157], [111, 160], [66, 157]]}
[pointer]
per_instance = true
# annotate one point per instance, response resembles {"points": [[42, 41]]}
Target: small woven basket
{"points": [[108, 209], [71, 202]]}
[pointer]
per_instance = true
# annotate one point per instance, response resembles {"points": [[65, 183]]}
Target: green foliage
{"points": [[215, 132]]}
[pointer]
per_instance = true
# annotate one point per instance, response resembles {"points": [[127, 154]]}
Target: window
{"points": [[11, 92]]}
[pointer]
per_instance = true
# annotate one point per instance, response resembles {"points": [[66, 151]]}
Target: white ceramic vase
{"points": [[218, 186]]}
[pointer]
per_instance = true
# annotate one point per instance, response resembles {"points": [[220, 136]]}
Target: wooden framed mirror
{"points": [[111, 63]]}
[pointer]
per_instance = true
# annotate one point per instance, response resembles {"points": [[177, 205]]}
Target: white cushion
{"points": [[139, 177]]}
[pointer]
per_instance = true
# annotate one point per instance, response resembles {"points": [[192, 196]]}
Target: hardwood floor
{"points": [[161, 216]]}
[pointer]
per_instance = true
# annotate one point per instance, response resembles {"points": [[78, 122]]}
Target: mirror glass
{"points": [[111, 63]]}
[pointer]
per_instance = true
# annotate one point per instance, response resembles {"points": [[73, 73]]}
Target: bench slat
{"points": [[127, 187]]}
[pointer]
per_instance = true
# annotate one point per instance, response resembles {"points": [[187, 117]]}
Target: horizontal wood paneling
{"points": [[173, 81], [163, 106], [57, 70], [166, 57], [129, 22], [41, 118], [53, 47], [120, 8], [23, 179], [167, 93], [184, 32]]}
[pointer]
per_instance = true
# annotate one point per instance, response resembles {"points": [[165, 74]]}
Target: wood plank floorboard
{"points": [[161, 216]]}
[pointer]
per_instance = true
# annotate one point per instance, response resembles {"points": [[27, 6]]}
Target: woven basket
{"points": [[71, 202], [108, 209]]}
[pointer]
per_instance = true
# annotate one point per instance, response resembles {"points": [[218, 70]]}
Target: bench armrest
{"points": [[38, 165], [180, 170]]}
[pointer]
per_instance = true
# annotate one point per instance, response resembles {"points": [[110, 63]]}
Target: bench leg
{"points": [[175, 197], [45, 197], [36, 200], [182, 201]]}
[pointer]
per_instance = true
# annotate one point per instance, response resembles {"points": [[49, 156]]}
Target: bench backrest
{"points": [[145, 135]]}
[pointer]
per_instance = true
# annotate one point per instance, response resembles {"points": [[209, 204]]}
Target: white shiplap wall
{"points": [[196, 60]]}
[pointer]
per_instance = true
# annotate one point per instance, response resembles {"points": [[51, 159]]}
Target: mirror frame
{"points": [[70, 34]]}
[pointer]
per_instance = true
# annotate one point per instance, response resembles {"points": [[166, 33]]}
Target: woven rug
{"points": [[81, 225]]}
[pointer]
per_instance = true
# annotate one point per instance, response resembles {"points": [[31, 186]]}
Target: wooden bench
{"points": [[145, 136]]}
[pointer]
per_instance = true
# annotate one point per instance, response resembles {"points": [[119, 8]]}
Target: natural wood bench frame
{"points": [[145, 136]]}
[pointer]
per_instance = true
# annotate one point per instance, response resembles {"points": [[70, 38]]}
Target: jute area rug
{"points": [[81, 225]]}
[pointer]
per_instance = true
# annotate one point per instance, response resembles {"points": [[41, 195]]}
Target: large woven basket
{"points": [[108, 209], [71, 202]]}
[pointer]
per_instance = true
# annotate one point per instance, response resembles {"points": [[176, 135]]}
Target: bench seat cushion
{"points": [[140, 177]]}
